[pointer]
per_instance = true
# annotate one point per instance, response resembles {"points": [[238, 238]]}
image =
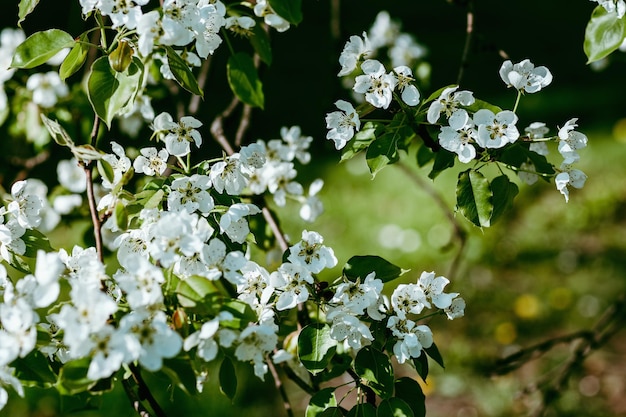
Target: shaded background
{"points": [[547, 269]]}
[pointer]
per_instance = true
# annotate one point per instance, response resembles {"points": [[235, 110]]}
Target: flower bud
{"points": [[121, 58]]}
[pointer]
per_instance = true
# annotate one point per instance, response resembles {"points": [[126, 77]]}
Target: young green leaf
{"points": [[361, 266], [228, 378], [394, 407], [110, 91], [35, 241], [374, 367], [421, 366], [474, 197], [182, 73], [40, 47], [58, 133], [385, 149], [75, 58], [603, 35], [26, 8], [244, 79], [315, 347], [361, 140], [443, 160]]}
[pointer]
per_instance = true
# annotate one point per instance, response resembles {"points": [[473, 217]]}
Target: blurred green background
{"points": [[547, 269]]}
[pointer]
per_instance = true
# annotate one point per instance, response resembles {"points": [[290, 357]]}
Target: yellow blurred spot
{"points": [[619, 130], [560, 298], [506, 333], [527, 306], [428, 386]]}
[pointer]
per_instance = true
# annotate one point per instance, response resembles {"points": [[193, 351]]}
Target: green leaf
{"points": [[362, 410], [75, 58], [433, 352], [182, 73], [106, 170], [26, 8], [290, 10], [228, 378], [40, 47], [86, 153], [242, 314], [194, 290], [73, 377], [394, 407], [34, 370], [361, 266], [315, 347], [424, 155], [474, 197], [110, 91], [332, 412], [421, 366], [443, 160], [181, 373], [480, 104], [603, 35], [58, 133], [244, 79], [361, 140], [504, 191], [121, 215], [410, 391], [260, 41], [374, 367], [435, 94], [385, 149], [35, 241], [320, 401]]}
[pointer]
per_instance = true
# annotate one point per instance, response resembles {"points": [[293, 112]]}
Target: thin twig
{"points": [[468, 40], [194, 103], [244, 123], [144, 391], [134, 399], [335, 20], [217, 127], [459, 232], [91, 198], [278, 383]]}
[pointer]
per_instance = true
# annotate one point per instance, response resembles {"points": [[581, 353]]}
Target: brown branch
{"points": [[244, 123], [469, 33], [194, 103], [144, 391], [134, 399], [217, 127]]}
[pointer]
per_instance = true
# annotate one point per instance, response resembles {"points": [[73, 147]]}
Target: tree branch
{"points": [[469, 33]]}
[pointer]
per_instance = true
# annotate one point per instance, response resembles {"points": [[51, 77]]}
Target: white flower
{"points": [[47, 88], [456, 309], [375, 83], [178, 136], [8, 379], [297, 144], [155, 338], [342, 124], [71, 175], [219, 262], [149, 29], [122, 12], [433, 289], [151, 162], [312, 206], [569, 176], [119, 162], [353, 51], [495, 130], [291, 280], [255, 342], [11, 239], [570, 141], [409, 92], [448, 103], [408, 299], [190, 194], [233, 222], [346, 326], [524, 76], [141, 282], [228, 176], [459, 136], [26, 208], [311, 253], [355, 297], [527, 174], [264, 10], [10, 39], [241, 25], [384, 30], [411, 338], [256, 287], [405, 50]]}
